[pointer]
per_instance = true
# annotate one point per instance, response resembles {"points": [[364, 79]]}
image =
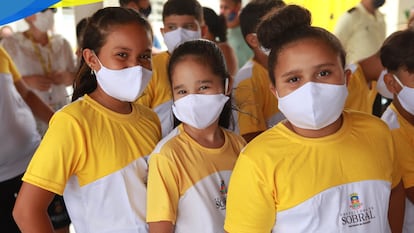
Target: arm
{"points": [[30, 210], [62, 78], [162, 194], [396, 208], [38, 107], [161, 227], [250, 136], [38, 82], [250, 203], [372, 67], [410, 194]]}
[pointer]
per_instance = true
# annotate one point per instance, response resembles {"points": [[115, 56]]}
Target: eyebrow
{"points": [[298, 70], [200, 82]]}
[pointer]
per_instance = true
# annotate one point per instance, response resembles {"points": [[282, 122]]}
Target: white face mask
{"points": [[382, 88], [314, 105], [174, 38], [44, 21], [125, 84], [199, 110], [406, 97]]}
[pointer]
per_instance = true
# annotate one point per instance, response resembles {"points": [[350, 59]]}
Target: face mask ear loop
{"points": [[398, 80], [226, 86]]}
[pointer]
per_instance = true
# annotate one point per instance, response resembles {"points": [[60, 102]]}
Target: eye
{"points": [[122, 55], [202, 88], [190, 27], [181, 92], [293, 79], [324, 73], [145, 57], [171, 27]]}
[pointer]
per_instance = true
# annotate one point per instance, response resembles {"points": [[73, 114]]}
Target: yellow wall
{"points": [[325, 13]]}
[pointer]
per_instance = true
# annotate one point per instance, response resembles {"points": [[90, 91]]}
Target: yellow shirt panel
{"points": [[7, 66], [359, 96], [404, 143], [279, 169], [178, 164], [255, 102], [88, 141], [158, 90]]}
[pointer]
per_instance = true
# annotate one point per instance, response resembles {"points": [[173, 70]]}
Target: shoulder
{"points": [[366, 123], [234, 138], [167, 143], [161, 57], [350, 11], [12, 42], [148, 114]]}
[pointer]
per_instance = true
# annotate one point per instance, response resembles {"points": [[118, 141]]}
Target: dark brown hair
{"points": [[209, 54], [398, 51], [289, 24]]}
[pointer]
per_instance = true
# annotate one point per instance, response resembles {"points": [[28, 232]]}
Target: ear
{"points": [[238, 6], [91, 59], [391, 84], [204, 30], [162, 31], [229, 85], [348, 76], [273, 89], [252, 40], [29, 19]]}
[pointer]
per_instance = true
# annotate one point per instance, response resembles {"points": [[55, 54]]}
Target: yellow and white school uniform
{"points": [[187, 183], [403, 133], [256, 106], [18, 134], [360, 97], [283, 182], [96, 158], [158, 95]]}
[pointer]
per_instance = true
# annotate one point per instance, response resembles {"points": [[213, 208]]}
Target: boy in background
{"points": [[256, 106]]}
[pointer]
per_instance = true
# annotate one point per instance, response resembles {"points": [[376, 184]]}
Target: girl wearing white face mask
{"points": [[183, 21], [94, 150], [302, 175], [190, 168], [397, 54]]}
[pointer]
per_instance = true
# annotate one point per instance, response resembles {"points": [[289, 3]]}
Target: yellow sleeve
{"points": [[250, 200], [7, 65], [162, 190], [57, 156], [404, 157], [250, 116]]}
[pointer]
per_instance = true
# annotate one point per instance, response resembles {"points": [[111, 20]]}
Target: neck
{"points": [[111, 103], [261, 58], [210, 137], [368, 6], [308, 133], [37, 36], [406, 115]]}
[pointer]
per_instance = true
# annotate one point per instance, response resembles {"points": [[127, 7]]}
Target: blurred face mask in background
{"points": [[44, 20]]}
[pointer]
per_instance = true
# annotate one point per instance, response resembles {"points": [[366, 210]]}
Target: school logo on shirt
{"points": [[355, 203], [221, 200], [358, 214]]}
